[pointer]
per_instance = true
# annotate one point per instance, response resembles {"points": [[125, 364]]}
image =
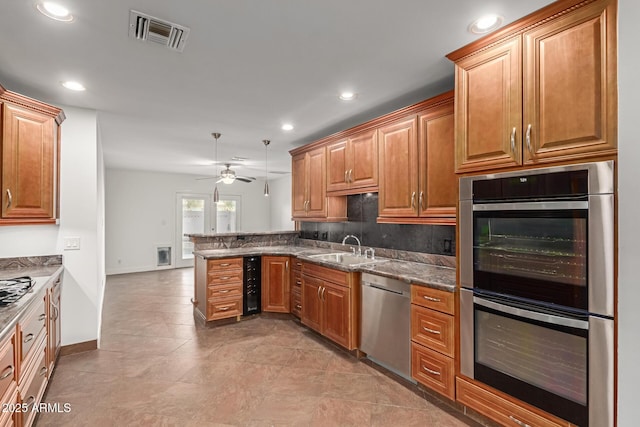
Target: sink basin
{"points": [[345, 258]]}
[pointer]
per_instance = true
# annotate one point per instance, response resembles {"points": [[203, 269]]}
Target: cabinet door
{"points": [[311, 303], [299, 185], [337, 168], [570, 85], [489, 108], [438, 180], [28, 163], [275, 284], [398, 157], [363, 160], [336, 313], [317, 180]]}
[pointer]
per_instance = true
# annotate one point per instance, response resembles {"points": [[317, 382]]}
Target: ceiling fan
{"points": [[228, 176]]}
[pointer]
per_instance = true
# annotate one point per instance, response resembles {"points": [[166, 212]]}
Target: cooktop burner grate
{"points": [[11, 290]]}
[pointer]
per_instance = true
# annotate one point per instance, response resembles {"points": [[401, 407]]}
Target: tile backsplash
{"points": [[362, 211]]}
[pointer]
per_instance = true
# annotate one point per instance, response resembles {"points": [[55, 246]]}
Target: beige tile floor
{"points": [[156, 368]]}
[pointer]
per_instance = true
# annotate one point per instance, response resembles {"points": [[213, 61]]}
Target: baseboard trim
{"points": [[80, 347]]}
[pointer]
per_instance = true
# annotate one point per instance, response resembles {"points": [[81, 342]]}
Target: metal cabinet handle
{"points": [[432, 331], [42, 317], [28, 338], [299, 282], [30, 400], [350, 175], [298, 306], [224, 308], [517, 421], [431, 298], [421, 200], [286, 265], [413, 200], [299, 264], [43, 370], [57, 312], [322, 294], [223, 291], [225, 278], [8, 371], [513, 139], [346, 176], [529, 139], [9, 198], [225, 264], [432, 372], [319, 289]]}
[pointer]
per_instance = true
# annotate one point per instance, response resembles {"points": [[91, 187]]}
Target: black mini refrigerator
{"points": [[252, 300]]}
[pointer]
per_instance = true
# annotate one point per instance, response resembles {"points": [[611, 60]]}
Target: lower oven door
{"points": [[557, 362]]}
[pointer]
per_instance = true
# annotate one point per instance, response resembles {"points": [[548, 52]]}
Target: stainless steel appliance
{"points": [[11, 290], [537, 278], [251, 284], [386, 323]]}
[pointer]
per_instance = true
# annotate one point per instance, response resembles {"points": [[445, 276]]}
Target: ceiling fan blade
{"points": [[208, 177], [219, 181], [244, 178]]}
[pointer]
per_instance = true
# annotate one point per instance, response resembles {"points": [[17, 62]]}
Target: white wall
{"points": [[628, 214], [79, 194], [280, 203], [141, 213]]}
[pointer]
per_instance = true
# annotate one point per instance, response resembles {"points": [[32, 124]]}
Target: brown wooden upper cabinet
{"points": [[309, 195], [30, 165], [417, 182], [540, 91], [352, 164]]}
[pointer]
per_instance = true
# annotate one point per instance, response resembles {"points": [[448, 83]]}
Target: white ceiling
{"points": [[248, 66]]}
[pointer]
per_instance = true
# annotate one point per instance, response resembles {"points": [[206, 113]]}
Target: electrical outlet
{"points": [[325, 235], [71, 243], [447, 246]]}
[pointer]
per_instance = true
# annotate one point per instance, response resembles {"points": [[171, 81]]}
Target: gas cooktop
{"points": [[11, 290]]}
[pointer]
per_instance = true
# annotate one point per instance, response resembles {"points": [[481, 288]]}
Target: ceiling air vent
{"points": [[149, 28]]}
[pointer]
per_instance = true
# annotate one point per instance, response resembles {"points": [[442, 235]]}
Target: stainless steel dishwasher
{"points": [[386, 323]]}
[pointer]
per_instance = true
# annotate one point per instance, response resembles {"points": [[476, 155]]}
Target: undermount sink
{"points": [[345, 258]]}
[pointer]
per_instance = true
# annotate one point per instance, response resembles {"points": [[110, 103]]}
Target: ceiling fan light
{"points": [[228, 179]]}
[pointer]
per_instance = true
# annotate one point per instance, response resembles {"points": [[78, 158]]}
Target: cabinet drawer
{"points": [[7, 364], [30, 328], [336, 276], [221, 309], [433, 329], [214, 265], [31, 391], [433, 370], [224, 291], [434, 299], [296, 302], [500, 410], [225, 277], [296, 264]]}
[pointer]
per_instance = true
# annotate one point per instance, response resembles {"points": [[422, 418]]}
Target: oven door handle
{"points": [[533, 315], [532, 206]]}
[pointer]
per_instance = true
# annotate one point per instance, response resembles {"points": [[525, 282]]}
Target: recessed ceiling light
{"points": [[485, 24], [347, 96], [54, 11], [287, 126], [78, 87]]}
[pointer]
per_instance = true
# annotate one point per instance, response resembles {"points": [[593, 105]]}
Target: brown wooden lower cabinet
{"points": [[296, 287], [502, 409], [329, 304], [433, 369]]}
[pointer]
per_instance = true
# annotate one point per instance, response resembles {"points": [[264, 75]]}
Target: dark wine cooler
{"points": [[251, 286]]}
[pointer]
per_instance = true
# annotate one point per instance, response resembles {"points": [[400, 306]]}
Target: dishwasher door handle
{"points": [[384, 289]]}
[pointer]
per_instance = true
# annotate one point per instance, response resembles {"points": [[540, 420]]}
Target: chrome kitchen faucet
{"points": [[357, 240]]}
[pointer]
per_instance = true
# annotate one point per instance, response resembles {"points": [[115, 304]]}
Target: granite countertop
{"points": [[43, 275], [443, 278]]}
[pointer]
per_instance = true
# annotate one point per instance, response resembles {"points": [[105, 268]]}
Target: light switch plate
{"points": [[71, 243]]}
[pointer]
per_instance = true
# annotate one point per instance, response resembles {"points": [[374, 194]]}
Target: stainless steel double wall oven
{"points": [[537, 287]]}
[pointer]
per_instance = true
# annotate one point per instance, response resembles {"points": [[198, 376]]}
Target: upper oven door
{"points": [[534, 250], [555, 252]]}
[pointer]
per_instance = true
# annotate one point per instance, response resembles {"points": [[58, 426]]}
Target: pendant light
{"points": [[266, 143], [216, 196]]}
